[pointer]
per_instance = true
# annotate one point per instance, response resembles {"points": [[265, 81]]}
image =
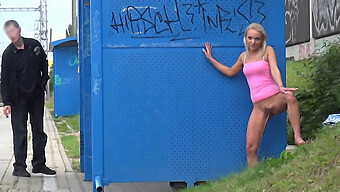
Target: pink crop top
{"points": [[260, 80]]}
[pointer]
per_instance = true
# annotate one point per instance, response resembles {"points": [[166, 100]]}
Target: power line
{"points": [[19, 9]]}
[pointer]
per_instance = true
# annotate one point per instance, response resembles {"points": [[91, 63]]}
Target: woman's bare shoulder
{"points": [[242, 55], [269, 49]]}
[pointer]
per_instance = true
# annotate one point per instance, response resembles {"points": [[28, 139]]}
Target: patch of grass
{"points": [[50, 106], [297, 74], [62, 127], [65, 123], [58, 119], [312, 167], [51, 82], [75, 164], [74, 122], [52, 113], [71, 145], [69, 140]]}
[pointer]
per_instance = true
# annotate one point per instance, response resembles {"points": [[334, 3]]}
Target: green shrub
{"points": [[322, 97]]}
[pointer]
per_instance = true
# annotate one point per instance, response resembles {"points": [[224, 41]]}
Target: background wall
{"points": [[297, 21], [309, 25]]}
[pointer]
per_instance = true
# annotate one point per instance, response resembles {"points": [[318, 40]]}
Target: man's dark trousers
{"points": [[35, 108]]}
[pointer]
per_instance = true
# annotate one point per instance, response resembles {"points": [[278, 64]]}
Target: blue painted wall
{"points": [[85, 88]]}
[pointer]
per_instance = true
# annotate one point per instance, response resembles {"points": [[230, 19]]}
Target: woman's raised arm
{"points": [[275, 70], [228, 71]]}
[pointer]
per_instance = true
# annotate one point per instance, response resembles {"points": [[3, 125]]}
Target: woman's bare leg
{"points": [[283, 101], [260, 115], [294, 116], [256, 126]]}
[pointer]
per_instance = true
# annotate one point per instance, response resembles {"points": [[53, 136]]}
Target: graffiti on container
{"points": [[73, 61], [180, 20], [87, 36], [96, 26], [57, 80], [96, 86]]}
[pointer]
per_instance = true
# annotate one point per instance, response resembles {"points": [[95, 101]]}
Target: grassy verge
{"points": [[68, 128], [312, 167], [50, 107], [295, 73], [71, 145], [73, 121]]}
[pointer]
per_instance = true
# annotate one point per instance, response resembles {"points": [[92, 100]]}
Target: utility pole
{"points": [[43, 30], [43, 35], [74, 17]]}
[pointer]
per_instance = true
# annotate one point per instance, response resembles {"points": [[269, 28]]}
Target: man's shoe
{"points": [[44, 170], [21, 173]]}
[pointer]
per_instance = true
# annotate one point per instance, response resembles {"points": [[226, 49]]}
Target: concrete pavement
{"points": [[66, 180]]}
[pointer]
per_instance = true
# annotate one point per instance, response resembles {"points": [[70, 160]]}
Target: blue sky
{"points": [[59, 17]]}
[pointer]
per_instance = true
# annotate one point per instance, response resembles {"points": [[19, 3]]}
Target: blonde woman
{"points": [[268, 94]]}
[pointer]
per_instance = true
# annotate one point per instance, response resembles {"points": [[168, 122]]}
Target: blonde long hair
{"points": [[259, 28]]}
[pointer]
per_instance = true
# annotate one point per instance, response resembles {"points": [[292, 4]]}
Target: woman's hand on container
{"points": [[207, 52]]}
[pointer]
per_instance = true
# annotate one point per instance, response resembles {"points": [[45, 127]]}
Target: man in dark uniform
{"points": [[24, 76]]}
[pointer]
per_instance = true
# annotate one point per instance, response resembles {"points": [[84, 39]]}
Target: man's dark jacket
{"points": [[9, 87]]}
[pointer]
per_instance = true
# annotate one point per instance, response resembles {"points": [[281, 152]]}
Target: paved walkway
{"points": [[66, 179]]}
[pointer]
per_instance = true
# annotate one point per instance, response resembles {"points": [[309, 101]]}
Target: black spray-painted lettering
{"points": [[181, 20]]}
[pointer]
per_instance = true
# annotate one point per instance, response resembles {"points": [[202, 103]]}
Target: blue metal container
{"points": [[160, 111], [85, 88], [66, 77]]}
